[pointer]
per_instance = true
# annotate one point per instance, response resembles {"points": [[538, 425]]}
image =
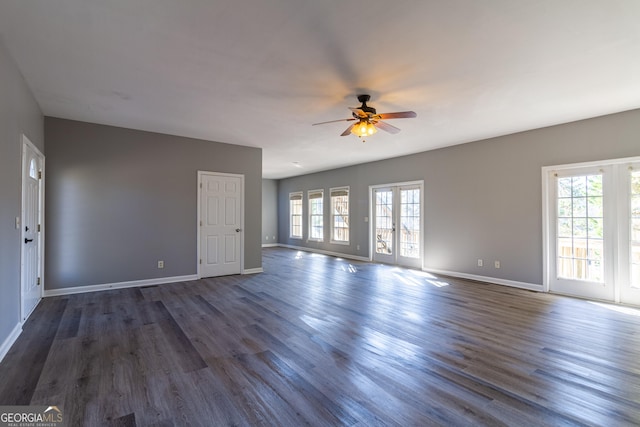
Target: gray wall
{"points": [[119, 200], [482, 199], [269, 211], [19, 113]]}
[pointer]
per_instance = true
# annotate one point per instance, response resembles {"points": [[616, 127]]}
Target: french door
{"points": [[593, 230], [397, 224]]}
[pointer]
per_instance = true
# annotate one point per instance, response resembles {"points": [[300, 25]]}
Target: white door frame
{"points": [[199, 219], [372, 231], [27, 143]]}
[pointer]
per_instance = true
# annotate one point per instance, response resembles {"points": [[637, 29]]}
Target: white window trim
{"points": [[291, 195], [331, 190], [309, 193]]}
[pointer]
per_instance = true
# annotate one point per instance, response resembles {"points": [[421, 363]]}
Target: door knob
{"points": [[27, 240], [238, 230]]}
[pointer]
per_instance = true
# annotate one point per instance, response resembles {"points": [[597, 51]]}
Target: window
{"points": [[316, 211], [295, 213], [340, 215]]}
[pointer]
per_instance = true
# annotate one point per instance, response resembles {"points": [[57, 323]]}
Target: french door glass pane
{"points": [[410, 223], [384, 222], [580, 222], [634, 233]]}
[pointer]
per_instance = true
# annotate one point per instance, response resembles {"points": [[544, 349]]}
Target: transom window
{"points": [[316, 213], [33, 169], [340, 215]]}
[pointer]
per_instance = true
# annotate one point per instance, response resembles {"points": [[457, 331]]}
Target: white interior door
{"points": [[220, 224], [31, 236], [397, 224]]}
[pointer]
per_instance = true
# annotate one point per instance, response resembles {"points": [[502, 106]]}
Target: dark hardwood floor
{"points": [[322, 341]]}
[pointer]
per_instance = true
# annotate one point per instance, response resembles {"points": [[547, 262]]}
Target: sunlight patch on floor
{"points": [[349, 268], [618, 308], [419, 278]]}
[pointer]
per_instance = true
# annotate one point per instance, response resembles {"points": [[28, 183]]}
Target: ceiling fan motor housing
{"points": [[364, 107]]}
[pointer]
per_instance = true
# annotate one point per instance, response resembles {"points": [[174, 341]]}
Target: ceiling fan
{"points": [[369, 121]]}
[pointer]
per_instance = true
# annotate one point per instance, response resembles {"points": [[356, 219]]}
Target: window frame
{"points": [[311, 196], [293, 196], [332, 214]]}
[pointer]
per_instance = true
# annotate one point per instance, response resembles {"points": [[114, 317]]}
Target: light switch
{"points": [[17, 223]]}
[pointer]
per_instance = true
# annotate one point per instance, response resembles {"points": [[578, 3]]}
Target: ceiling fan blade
{"points": [[334, 121], [386, 127], [358, 112], [348, 131], [399, 115]]}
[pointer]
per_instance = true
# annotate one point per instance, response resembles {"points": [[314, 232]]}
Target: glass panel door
{"points": [[581, 252], [409, 232], [397, 225], [630, 236], [384, 225]]}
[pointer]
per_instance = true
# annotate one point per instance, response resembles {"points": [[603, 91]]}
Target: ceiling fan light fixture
{"points": [[364, 128]]}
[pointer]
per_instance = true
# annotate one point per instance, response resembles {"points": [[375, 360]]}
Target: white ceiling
{"points": [[260, 72]]}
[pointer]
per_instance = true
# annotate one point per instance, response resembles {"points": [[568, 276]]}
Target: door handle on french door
{"points": [[27, 240], [238, 230]]}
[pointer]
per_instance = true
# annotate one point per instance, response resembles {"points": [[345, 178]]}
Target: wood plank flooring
{"points": [[321, 341]]}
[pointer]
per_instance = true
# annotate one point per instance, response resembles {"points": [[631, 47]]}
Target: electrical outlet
{"points": [[357, 247], [160, 264], [267, 237], [480, 263], [497, 264]]}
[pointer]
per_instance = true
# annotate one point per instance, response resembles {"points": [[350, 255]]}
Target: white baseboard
{"points": [[512, 283], [118, 285], [321, 251], [270, 245], [252, 270], [8, 342]]}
